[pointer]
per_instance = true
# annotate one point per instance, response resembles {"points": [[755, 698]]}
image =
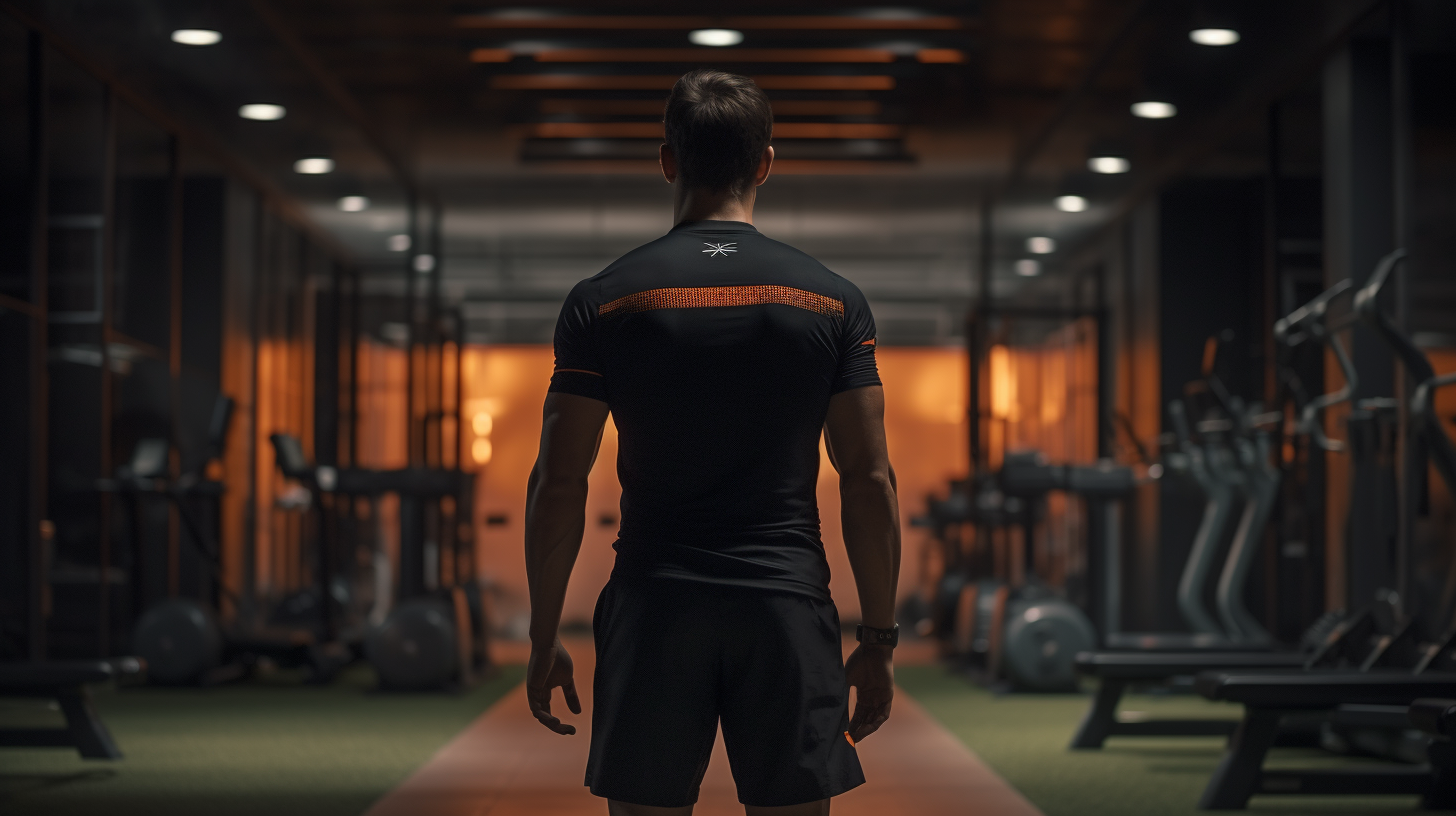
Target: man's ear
{"points": [[765, 164], [668, 163]]}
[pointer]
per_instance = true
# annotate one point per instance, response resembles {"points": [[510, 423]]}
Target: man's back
{"points": [[722, 355], [717, 350]]}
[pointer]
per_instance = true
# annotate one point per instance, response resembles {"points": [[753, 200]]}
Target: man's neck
{"points": [[701, 205]]}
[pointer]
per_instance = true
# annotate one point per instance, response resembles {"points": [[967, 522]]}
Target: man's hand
{"points": [[872, 674], [549, 668]]}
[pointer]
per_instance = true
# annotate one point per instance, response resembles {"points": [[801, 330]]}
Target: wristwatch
{"points": [[878, 637]]}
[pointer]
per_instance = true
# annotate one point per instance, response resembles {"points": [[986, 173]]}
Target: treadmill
{"points": [[1381, 698], [1247, 645]]}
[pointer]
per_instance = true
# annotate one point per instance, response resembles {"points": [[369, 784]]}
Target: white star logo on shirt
{"points": [[719, 249]]}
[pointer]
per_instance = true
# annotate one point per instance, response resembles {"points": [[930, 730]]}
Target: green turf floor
{"points": [[275, 747], [1024, 738], [272, 747]]}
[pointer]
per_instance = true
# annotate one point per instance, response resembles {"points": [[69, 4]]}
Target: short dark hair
{"points": [[717, 125]]}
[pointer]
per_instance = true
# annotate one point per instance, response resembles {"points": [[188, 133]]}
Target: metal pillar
{"points": [[1359, 218]]}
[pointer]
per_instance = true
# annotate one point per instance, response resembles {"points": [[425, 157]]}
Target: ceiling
{"points": [[532, 127]]}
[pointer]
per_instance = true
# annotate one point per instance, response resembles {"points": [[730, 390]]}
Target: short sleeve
{"points": [[578, 358], [857, 368]]}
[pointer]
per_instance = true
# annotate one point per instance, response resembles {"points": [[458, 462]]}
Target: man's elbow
{"points": [[872, 479]]}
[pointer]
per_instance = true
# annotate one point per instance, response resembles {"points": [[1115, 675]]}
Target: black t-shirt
{"points": [[717, 350]]}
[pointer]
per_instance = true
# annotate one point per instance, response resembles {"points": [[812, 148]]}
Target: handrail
{"points": [[1308, 321], [1368, 308]]}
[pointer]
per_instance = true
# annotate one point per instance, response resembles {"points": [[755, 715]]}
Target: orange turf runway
{"points": [[507, 764]]}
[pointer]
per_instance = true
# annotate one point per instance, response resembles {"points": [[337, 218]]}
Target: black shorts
{"points": [[674, 657]]}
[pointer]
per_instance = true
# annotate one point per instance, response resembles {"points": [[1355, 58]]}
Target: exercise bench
{"points": [[67, 683]]}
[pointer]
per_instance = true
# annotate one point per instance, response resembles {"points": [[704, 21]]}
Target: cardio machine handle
{"points": [[1308, 321]]}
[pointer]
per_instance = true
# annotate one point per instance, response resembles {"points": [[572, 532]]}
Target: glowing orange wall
{"points": [[925, 424]]}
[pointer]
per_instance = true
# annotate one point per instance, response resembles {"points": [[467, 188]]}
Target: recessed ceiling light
{"points": [[399, 243], [1071, 203], [1214, 36], [1028, 267], [424, 263], [1154, 110], [315, 166], [1041, 245], [196, 36], [262, 112], [717, 37], [1110, 165], [354, 203]]}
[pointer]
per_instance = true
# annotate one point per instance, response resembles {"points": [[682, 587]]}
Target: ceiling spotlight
{"points": [[1071, 203], [717, 37], [196, 36], [354, 203], [315, 166], [1214, 36], [1028, 267], [1111, 165], [1041, 245], [262, 112], [399, 243], [1154, 110]]}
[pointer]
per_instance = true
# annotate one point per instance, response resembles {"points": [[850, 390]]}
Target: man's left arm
{"points": [[571, 433]]}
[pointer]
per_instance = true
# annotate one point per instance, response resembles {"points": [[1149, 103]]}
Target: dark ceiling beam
{"points": [[338, 94], [285, 204], [1027, 152], [1275, 82]]}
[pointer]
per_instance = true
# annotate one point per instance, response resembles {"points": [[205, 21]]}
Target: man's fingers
{"points": [[867, 719], [568, 690], [554, 724], [540, 701]]}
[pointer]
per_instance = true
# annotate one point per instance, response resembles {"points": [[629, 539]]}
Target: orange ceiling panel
{"points": [[780, 22], [653, 130], [653, 107], [716, 55], [617, 82]]}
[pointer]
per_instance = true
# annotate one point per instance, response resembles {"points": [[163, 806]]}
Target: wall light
{"points": [[1154, 110], [717, 37], [1071, 203], [1041, 245], [260, 112], [1028, 267], [1214, 36], [354, 203], [315, 166], [481, 450], [196, 36], [482, 423], [1110, 165], [399, 243]]}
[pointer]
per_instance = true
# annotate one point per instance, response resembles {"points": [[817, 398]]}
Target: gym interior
{"points": [[1166, 311]]}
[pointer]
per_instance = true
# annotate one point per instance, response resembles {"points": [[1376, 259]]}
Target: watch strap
{"points": [[878, 637]]}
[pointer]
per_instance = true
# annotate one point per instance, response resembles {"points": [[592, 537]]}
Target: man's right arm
{"points": [[854, 433]]}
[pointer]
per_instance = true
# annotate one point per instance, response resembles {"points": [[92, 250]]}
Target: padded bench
{"points": [[1116, 671], [65, 682], [1269, 696]]}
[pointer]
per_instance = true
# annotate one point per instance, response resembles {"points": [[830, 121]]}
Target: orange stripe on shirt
{"points": [[711, 296]]}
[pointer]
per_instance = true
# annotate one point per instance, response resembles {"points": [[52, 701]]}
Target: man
{"points": [[721, 355]]}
